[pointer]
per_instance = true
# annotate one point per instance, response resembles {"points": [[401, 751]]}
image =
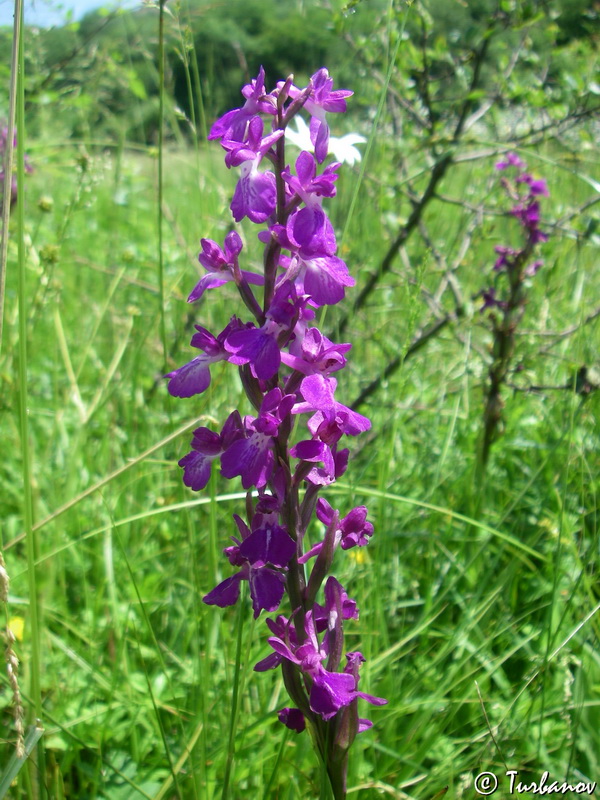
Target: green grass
{"points": [[478, 603]]}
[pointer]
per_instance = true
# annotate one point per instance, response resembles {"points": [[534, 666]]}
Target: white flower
{"points": [[343, 147], [300, 137]]}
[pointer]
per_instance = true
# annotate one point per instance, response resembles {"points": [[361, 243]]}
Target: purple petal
{"points": [[270, 545], [233, 429], [253, 278], [325, 512], [254, 197], [251, 458], [376, 701], [353, 422], [314, 551], [266, 589], [257, 347], [325, 280], [193, 378], [336, 594], [206, 442], [282, 649], [196, 470], [330, 692], [322, 142], [233, 245], [305, 167], [293, 719], [226, 593], [319, 391], [270, 662], [309, 450], [211, 256], [210, 281]]}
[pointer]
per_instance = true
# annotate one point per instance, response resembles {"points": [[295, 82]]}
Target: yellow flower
{"points": [[16, 625], [358, 555]]}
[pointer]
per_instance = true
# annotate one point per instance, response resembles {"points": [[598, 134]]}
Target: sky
{"points": [[47, 13]]}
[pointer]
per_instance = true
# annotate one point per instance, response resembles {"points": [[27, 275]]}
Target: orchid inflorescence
{"points": [[286, 365], [524, 192], [505, 301]]}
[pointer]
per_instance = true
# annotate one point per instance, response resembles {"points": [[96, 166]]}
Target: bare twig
{"points": [[438, 171]]}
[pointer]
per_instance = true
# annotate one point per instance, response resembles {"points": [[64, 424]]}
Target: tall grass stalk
{"points": [[235, 700], [35, 670], [8, 156], [34, 734], [161, 119]]}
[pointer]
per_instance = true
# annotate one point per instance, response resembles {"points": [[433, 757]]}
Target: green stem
{"points": [[8, 156], [161, 114], [30, 534], [234, 703], [503, 348]]}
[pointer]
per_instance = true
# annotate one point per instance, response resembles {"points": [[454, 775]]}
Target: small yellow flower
{"points": [[358, 555], [16, 625]]}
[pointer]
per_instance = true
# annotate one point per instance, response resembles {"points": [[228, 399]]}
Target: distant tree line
{"points": [[99, 79]]}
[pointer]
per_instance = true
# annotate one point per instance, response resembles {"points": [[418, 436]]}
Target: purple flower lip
{"points": [[233, 124], [206, 446], [318, 394], [330, 691], [194, 377], [221, 266], [261, 554], [322, 100], [352, 531], [253, 457]]}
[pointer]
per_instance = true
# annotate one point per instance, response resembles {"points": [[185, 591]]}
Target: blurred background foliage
{"points": [[100, 74]]}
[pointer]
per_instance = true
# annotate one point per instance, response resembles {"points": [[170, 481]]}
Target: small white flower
{"points": [[300, 137], [343, 147]]}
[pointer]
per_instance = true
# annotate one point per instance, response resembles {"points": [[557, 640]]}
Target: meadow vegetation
{"points": [[480, 587]]}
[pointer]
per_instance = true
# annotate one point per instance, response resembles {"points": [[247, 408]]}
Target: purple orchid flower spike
{"points": [[221, 266], [232, 125], [286, 368], [260, 554]]}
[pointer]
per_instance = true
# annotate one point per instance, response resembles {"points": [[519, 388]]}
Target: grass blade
{"points": [[34, 734]]}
